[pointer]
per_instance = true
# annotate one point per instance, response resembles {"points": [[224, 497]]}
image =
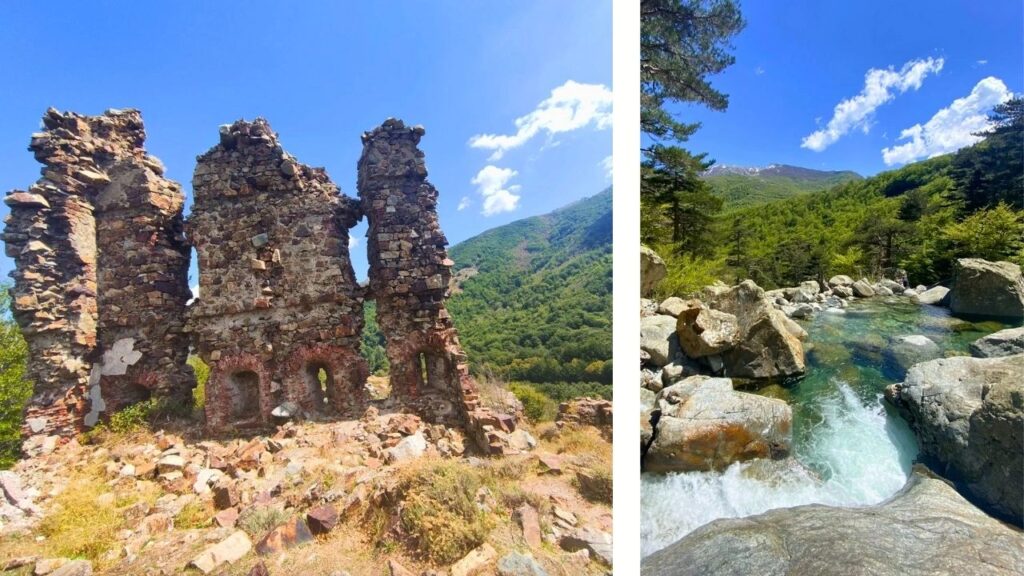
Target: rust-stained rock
{"points": [[287, 535], [322, 519]]}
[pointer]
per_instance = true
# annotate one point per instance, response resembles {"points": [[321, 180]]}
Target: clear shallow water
{"points": [[851, 450]]}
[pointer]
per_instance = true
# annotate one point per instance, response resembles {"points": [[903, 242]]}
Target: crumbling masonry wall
{"points": [[100, 282], [409, 278], [278, 300]]}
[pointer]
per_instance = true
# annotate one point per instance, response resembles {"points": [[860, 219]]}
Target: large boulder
{"points": [[1003, 343], [658, 338], [927, 528], [862, 289], [706, 425], [767, 347], [968, 415], [987, 288], [934, 296], [703, 332], [652, 270], [840, 280]]}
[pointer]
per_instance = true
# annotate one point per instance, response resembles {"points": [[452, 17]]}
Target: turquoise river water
{"points": [[852, 449]]}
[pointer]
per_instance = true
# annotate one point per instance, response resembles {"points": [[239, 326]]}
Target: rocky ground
{"points": [[384, 494]]}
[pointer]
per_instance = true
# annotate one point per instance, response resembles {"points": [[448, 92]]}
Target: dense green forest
{"points": [[918, 218], [739, 188], [533, 301]]}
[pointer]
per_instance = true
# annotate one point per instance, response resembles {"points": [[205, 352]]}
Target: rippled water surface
{"points": [[851, 450]]}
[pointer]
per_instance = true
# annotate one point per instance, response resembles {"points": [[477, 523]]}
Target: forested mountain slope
{"points": [[739, 186], [918, 218], [532, 300]]}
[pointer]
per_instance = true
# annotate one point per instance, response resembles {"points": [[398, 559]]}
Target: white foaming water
{"points": [[863, 456]]}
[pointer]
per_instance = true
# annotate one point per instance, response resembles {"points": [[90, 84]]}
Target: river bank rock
{"points": [[658, 338], [1003, 343], [840, 280], [862, 289], [766, 346], [987, 288], [968, 416], [652, 270], [703, 332], [927, 528], [935, 296], [703, 424]]}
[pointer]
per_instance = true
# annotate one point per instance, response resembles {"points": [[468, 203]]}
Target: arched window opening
{"points": [[244, 388], [319, 380]]}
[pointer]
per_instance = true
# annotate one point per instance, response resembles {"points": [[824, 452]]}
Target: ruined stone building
{"points": [[278, 297], [409, 278], [101, 282]]}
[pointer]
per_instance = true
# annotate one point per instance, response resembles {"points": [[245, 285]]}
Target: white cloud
{"points": [[195, 294], [982, 62], [606, 164], [951, 128], [880, 86], [570, 107], [759, 71], [464, 203], [353, 241], [499, 197]]}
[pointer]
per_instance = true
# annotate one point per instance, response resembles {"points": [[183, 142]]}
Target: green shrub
{"points": [[14, 389], [440, 513], [202, 372], [537, 405]]}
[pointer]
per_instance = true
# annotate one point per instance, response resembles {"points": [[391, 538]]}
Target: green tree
{"points": [[993, 170], [682, 42], [994, 234], [14, 389], [671, 187]]}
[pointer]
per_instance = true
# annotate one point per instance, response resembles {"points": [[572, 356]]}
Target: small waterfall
{"points": [[855, 456]]}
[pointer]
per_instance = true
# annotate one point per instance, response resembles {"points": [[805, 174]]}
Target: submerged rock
{"points": [[968, 415], [1003, 343], [909, 350], [927, 528], [706, 425], [987, 289]]}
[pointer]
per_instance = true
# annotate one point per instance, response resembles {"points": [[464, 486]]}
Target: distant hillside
{"points": [[741, 186], [532, 299], [535, 297]]}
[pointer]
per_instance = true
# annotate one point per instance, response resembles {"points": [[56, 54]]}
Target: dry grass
{"points": [[84, 519]]}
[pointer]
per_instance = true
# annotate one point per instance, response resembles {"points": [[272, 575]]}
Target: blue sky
{"points": [[322, 73], [797, 60]]}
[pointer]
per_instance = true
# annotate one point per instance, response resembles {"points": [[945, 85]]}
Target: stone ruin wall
{"points": [[101, 280], [409, 279], [278, 296], [97, 247]]}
